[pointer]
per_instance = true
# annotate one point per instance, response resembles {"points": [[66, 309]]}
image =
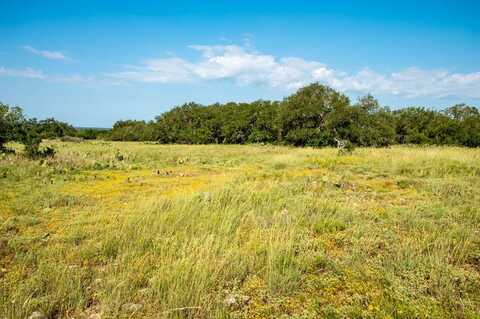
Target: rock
{"points": [[37, 315], [236, 300], [230, 300], [132, 307]]}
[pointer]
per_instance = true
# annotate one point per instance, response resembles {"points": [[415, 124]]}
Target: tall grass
{"points": [[240, 232]]}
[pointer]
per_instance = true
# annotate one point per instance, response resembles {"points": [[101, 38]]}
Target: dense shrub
{"points": [[310, 116], [131, 131], [33, 151], [92, 133], [315, 115], [229, 123], [51, 128], [11, 118], [15, 127]]}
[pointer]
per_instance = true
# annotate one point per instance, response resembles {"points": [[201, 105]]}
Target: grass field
{"points": [[133, 230]]}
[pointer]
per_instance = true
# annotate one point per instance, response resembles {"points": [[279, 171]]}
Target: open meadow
{"points": [[140, 230]]}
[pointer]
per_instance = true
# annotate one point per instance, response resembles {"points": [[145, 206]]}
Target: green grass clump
{"points": [[178, 231]]}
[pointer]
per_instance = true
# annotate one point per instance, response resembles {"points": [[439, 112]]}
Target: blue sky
{"points": [[91, 63]]}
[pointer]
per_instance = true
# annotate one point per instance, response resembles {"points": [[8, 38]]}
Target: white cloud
{"points": [[24, 73], [51, 55], [74, 78], [245, 66], [39, 75], [168, 70]]}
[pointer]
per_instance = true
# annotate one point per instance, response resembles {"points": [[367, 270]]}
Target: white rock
{"points": [[132, 306], [230, 300], [37, 315]]}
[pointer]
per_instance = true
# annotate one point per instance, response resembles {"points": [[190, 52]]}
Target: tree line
{"points": [[316, 115]]}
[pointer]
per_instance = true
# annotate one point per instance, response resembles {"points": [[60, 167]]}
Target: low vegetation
{"points": [[133, 230]]}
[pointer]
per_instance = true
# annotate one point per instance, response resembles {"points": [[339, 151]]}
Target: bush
{"points": [[6, 150], [345, 147], [33, 151], [119, 156], [11, 119]]}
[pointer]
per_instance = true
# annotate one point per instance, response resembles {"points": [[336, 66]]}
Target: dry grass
{"points": [[175, 231]]}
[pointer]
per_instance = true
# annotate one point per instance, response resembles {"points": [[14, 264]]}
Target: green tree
{"points": [[11, 119], [304, 118], [51, 128], [467, 124]]}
